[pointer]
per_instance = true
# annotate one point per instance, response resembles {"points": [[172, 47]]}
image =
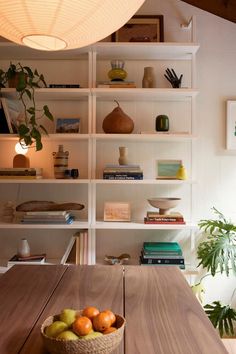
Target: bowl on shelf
{"points": [[164, 204], [104, 344]]}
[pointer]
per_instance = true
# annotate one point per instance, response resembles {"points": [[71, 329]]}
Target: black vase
{"points": [[162, 123]]}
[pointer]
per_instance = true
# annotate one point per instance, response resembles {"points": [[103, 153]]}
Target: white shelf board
{"points": [[157, 137], [51, 94], [144, 181], [59, 137], [144, 94], [44, 181], [149, 51], [139, 225], [74, 225]]}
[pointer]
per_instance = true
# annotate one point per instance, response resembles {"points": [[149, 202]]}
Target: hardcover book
{"points": [[163, 261], [162, 247]]}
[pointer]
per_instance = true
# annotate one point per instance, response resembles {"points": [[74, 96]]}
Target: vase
{"points": [[149, 80], [23, 248], [123, 159], [117, 72], [117, 122], [60, 162], [162, 123]]}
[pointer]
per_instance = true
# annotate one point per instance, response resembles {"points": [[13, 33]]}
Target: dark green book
{"points": [[162, 247]]}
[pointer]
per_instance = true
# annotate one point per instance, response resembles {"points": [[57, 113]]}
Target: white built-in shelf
{"points": [[76, 225], [50, 94], [139, 225], [158, 137], [56, 137], [144, 181], [44, 181]]}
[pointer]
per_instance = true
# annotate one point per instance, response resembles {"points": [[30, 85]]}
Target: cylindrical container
{"points": [[60, 162], [149, 80], [23, 248], [117, 72], [123, 159], [162, 123]]}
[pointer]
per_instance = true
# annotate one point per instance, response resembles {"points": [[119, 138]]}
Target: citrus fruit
{"points": [[112, 316], [82, 326], [109, 330], [90, 312], [102, 321]]}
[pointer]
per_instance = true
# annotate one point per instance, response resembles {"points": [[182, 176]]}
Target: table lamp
{"points": [[20, 160]]}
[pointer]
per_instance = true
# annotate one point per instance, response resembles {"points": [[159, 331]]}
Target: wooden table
{"points": [[163, 316]]}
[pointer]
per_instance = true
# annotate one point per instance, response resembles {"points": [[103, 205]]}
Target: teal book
{"points": [[162, 247]]}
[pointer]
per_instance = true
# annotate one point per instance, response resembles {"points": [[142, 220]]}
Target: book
{"points": [[164, 221], [116, 82], [49, 212], [163, 261], [64, 86], [160, 255], [181, 266], [68, 250], [171, 247], [21, 177], [121, 167], [34, 259], [154, 214], [68, 221], [116, 85], [123, 177], [15, 171]]}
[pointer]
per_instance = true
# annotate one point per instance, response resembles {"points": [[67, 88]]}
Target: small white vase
{"points": [[149, 80], [23, 248], [123, 159]]}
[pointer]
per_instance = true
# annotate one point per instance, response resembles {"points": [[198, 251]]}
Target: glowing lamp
{"points": [[20, 160]]}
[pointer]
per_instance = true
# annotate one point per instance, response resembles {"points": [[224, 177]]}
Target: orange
{"points": [[109, 330], [90, 312], [82, 326], [112, 316], [102, 321]]}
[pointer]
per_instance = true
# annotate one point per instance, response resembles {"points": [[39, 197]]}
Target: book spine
{"points": [[122, 178], [161, 256], [164, 222], [168, 261], [64, 86], [162, 253], [164, 219], [21, 177]]}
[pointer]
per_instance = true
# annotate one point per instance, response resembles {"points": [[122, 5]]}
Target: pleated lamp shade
{"points": [[63, 24]]}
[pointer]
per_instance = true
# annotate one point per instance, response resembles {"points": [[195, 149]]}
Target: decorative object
{"points": [[63, 25], [68, 125], [60, 162], [23, 248], [20, 160], [231, 125], [149, 80], [162, 123], [11, 114], [182, 173], [123, 258], [117, 122], [217, 254], [41, 205], [8, 212], [141, 28], [117, 72], [123, 159], [119, 211], [164, 204], [25, 81], [167, 169], [173, 78]]}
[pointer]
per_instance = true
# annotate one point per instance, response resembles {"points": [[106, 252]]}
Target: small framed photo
{"points": [[231, 125], [167, 169], [68, 125], [114, 211], [141, 28]]}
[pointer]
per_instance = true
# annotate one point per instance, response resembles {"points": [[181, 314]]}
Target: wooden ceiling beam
{"points": [[222, 8]]}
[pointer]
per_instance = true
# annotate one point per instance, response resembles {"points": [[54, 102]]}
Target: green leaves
{"points": [[222, 317], [218, 251]]}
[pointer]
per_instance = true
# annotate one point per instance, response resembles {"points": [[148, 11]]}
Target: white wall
{"points": [[216, 80]]}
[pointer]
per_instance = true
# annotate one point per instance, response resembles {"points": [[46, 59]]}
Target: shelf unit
{"points": [[91, 149]]}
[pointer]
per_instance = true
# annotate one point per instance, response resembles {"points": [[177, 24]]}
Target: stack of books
{"points": [[154, 217], [33, 259], [125, 172], [20, 173], [47, 217], [116, 84], [162, 253]]}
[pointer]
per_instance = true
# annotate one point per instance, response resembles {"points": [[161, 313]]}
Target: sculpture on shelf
{"points": [[60, 162], [123, 258], [123, 159], [117, 122], [149, 80], [162, 123], [173, 78], [117, 72]]}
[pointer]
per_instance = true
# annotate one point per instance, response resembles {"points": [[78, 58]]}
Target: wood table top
{"points": [[163, 316]]}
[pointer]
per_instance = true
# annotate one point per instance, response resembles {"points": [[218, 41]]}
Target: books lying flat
{"points": [[162, 261], [21, 172], [125, 175], [49, 221], [116, 84], [164, 221], [47, 217], [34, 259], [162, 247]]}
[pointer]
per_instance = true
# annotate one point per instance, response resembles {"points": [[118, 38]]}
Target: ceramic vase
{"points": [[23, 248], [118, 122], [117, 72], [60, 162], [162, 123], [149, 80], [123, 159]]}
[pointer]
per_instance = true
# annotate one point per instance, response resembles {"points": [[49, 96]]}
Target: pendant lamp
{"points": [[63, 24]]}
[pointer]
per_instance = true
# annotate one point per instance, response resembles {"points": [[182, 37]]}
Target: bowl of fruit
{"points": [[88, 331]]}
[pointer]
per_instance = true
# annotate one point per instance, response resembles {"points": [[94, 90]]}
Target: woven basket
{"points": [[101, 345]]}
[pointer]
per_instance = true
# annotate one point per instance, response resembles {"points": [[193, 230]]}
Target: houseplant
{"points": [[217, 254], [25, 81]]}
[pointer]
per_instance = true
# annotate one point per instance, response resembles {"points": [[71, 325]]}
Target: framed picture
{"points": [[114, 211], [11, 110], [231, 125], [167, 169], [141, 28], [68, 125]]}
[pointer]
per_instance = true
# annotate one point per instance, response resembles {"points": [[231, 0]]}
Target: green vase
{"points": [[162, 123]]}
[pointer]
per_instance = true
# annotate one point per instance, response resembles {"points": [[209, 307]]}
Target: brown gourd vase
{"points": [[117, 122]]}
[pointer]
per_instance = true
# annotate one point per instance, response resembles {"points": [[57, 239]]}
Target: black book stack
{"points": [[125, 172]]}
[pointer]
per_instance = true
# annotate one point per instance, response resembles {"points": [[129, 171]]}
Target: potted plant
{"points": [[217, 254], [25, 81]]}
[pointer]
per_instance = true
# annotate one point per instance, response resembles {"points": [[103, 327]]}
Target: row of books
{"points": [[154, 217], [162, 254], [47, 217], [80, 250], [21, 173], [126, 172]]}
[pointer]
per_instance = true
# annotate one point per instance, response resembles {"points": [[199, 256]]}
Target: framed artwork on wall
{"points": [[117, 211], [231, 125], [141, 28], [68, 125]]}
